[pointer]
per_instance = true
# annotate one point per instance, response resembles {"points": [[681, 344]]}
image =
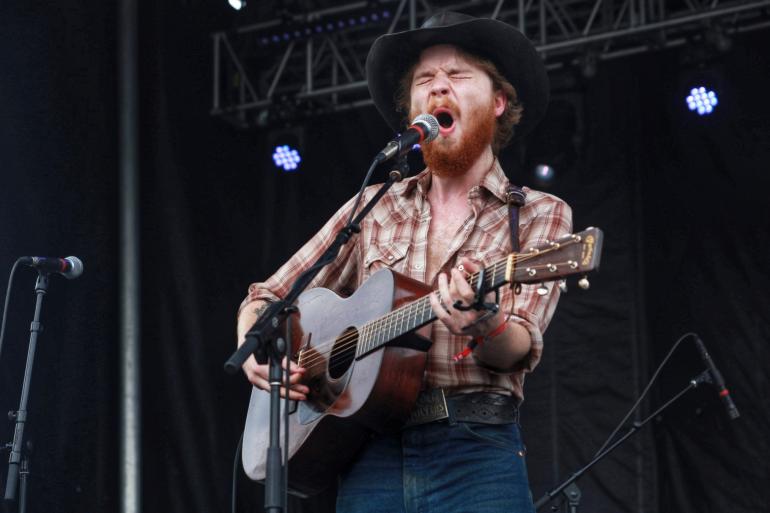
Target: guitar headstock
{"points": [[573, 254]]}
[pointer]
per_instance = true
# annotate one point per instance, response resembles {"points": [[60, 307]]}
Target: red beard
{"points": [[455, 159]]}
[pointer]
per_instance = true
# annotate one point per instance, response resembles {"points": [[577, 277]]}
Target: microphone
{"points": [[424, 128], [70, 267], [717, 379]]}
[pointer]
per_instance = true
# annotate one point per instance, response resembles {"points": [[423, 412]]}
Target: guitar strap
{"points": [[515, 197]]}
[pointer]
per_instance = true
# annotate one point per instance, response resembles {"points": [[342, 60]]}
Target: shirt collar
{"points": [[494, 181]]}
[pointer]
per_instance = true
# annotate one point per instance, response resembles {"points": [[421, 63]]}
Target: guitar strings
{"points": [[351, 340]]}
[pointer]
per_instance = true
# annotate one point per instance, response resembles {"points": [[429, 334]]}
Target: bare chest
{"points": [[446, 222]]}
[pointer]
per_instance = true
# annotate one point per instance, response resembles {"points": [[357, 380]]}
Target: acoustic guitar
{"points": [[364, 364]]}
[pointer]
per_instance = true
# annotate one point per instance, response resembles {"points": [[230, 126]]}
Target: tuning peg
{"points": [[542, 290], [584, 284], [563, 286]]}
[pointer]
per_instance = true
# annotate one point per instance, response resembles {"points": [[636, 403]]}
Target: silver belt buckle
{"points": [[430, 407]]}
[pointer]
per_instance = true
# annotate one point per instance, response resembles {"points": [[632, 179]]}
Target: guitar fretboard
{"points": [[416, 314]]}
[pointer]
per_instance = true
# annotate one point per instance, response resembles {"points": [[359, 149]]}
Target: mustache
{"points": [[446, 104]]}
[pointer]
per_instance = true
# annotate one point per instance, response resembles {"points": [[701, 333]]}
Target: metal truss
{"points": [[302, 64]]}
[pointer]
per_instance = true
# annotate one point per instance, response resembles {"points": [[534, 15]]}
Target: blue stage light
{"points": [[702, 101], [286, 157]]}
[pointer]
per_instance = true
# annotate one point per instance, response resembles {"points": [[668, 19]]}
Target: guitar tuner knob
{"points": [[563, 286], [542, 290], [584, 284], [552, 268]]}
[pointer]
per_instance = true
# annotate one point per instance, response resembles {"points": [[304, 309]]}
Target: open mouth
{"points": [[444, 118], [446, 121]]}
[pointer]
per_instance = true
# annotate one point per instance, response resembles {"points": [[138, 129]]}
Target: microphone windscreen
{"points": [[429, 121]]}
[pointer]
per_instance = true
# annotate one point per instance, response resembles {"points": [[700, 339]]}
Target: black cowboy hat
{"points": [[514, 55]]}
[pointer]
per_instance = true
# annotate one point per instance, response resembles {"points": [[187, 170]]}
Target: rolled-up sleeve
{"points": [[551, 219], [337, 276]]}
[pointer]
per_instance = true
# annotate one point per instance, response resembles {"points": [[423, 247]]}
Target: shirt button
{"points": [[390, 257], [418, 267]]}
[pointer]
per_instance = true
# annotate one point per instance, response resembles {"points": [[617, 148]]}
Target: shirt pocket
{"points": [[386, 254]]}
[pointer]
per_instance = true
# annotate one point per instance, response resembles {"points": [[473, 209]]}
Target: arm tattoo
{"points": [[258, 310]]}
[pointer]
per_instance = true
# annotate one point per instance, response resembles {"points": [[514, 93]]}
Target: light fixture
{"points": [[702, 100], [286, 158]]}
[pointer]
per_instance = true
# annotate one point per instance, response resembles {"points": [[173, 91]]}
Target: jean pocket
{"points": [[504, 436]]}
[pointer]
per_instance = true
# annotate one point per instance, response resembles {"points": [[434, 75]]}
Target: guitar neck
{"points": [[416, 314]]}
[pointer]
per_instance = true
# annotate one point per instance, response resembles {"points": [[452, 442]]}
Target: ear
{"points": [[501, 101]]}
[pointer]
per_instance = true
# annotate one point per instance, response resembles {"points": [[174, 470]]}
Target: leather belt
{"points": [[483, 407]]}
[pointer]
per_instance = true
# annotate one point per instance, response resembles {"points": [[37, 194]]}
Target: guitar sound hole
{"points": [[342, 353]]}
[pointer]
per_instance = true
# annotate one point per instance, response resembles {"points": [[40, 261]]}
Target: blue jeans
{"points": [[440, 468]]}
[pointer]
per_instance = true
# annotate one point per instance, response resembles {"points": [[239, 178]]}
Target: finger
{"points": [[296, 392], [468, 267], [448, 318], [445, 294], [462, 287], [438, 308], [293, 366]]}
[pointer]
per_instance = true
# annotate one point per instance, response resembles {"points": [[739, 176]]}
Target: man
{"points": [[479, 77]]}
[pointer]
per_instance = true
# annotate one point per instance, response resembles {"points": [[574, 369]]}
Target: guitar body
{"points": [[349, 398]]}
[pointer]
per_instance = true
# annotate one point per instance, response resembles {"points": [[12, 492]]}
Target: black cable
{"points": [[644, 392], [7, 300], [361, 191], [234, 491]]}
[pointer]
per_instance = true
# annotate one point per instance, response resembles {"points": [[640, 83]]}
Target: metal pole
{"points": [[130, 399]]}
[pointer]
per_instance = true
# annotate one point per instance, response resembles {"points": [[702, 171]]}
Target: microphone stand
{"points": [[570, 489], [265, 343], [18, 464]]}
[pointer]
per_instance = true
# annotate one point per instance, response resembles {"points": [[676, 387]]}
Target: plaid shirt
{"points": [[395, 234]]}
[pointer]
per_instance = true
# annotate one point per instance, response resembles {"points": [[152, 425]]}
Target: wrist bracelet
{"points": [[479, 340], [497, 331]]}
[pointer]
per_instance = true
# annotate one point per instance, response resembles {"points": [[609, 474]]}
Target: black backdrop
{"points": [[681, 200]]}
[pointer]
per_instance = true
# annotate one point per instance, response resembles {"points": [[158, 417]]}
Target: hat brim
{"points": [[514, 55]]}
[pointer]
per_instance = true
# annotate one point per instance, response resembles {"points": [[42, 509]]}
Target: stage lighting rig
{"points": [[292, 29]]}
